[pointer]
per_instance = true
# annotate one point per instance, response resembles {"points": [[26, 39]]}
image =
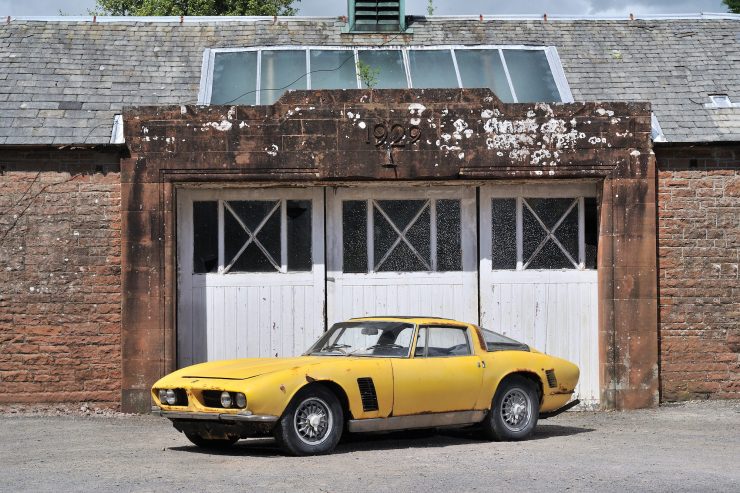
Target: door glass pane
{"points": [[567, 234], [251, 214], [530, 75], [205, 237], [449, 247], [483, 68], [550, 257], [354, 236], [447, 341], [532, 234], [333, 69], [591, 226], [234, 78], [391, 252], [432, 68], [299, 235], [391, 73], [549, 210], [503, 234], [281, 70]]}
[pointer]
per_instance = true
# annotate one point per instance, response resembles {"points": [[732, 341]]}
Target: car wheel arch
{"points": [[529, 375], [333, 387]]}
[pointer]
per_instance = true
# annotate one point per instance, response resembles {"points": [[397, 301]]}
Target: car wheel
{"points": [[211, 443], [312, 423], [514, 410]]}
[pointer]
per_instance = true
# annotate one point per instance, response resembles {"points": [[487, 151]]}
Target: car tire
{"points": [[211, 443], [515, 410], [312, 423]]}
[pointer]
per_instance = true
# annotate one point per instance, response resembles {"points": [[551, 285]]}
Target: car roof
{"points": [[417, 319]]}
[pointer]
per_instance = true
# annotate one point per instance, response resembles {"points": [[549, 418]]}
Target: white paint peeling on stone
{"points": [[415, 121], [222, 126], [243, 124], [461, 156], [603, 112], [487, 114], [635, 153], [417, 109], [362, 125], [272, 150], [231, 114]]}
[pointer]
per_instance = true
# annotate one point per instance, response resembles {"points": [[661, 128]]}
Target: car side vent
{"points": [[552, 382], [367, 393]]}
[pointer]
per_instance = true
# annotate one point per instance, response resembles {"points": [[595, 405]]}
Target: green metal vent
{"points": [[376, 16]]}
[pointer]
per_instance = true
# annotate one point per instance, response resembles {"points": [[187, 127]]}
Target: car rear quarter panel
{"points": [[500, 364]]}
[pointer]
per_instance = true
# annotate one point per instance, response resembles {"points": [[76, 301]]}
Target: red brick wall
{"points": [[699, 290], [60, 287]]}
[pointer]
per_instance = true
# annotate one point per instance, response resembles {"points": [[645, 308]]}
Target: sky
{"points": [[419, 7]]}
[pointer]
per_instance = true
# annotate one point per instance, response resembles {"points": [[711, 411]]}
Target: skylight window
{"points": [[252, 76]]}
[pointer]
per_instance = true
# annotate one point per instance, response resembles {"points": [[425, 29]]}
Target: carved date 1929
{"points": [[394, 135]]}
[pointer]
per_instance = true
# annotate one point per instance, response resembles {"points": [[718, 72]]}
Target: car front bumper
{"points": [[219, 425]]}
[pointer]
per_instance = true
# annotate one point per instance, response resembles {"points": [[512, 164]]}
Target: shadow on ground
{"points": [[266, 447]]}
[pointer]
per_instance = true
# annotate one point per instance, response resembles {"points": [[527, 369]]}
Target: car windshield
{"points": [[366, 338], [498, 342]]}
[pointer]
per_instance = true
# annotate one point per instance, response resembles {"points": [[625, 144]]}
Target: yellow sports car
{"points": [[366, 375]]}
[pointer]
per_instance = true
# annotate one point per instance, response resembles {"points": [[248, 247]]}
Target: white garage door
{"points": [[402, 251], [538, 276], [251, 272]]}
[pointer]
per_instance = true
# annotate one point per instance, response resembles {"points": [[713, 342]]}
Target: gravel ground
{"points": [[689, 447]]}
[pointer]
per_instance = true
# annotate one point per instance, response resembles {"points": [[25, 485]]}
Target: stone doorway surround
{"points": [[330, 137]]}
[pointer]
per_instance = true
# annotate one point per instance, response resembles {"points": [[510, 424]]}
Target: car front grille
{"points": [[212, 398], [552, 382]]}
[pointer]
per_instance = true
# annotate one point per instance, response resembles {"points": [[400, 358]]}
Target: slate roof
{"points": [[61, 82]]}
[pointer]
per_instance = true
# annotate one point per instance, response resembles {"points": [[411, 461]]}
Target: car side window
{"points": [[441, 342]]}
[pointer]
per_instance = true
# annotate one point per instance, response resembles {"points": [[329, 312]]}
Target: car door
{"points": [[443, 374]]}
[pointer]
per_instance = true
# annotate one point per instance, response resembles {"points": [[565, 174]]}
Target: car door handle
{"points": [[481, 364]]}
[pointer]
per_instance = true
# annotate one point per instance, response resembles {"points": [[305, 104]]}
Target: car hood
{"points": [[241, 369]]}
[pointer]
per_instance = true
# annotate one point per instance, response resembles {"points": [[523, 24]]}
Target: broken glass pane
{"points": [[234, 78], [205, 237], [483, 68], [388, 67], [591, 226], [299, 235], [354, 236], [252, 213], [449, 249], [432, 68], [281, 70], [531, 77], [333, 69], [503, 234]]}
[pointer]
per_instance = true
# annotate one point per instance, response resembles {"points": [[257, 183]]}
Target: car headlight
{"points": [[241, 400], [225, 399], [168, 396], [171, 397]]}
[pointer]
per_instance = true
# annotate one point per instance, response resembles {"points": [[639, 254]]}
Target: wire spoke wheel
{"points": [[516, 409], [313, 421]]}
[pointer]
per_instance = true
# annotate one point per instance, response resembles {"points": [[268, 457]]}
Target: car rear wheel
{"points": [[514, 410], [211, 443], [312, 423]]}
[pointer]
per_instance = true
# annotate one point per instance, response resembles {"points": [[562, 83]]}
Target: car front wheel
{"points": [[312, 424], [514, 410]]}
